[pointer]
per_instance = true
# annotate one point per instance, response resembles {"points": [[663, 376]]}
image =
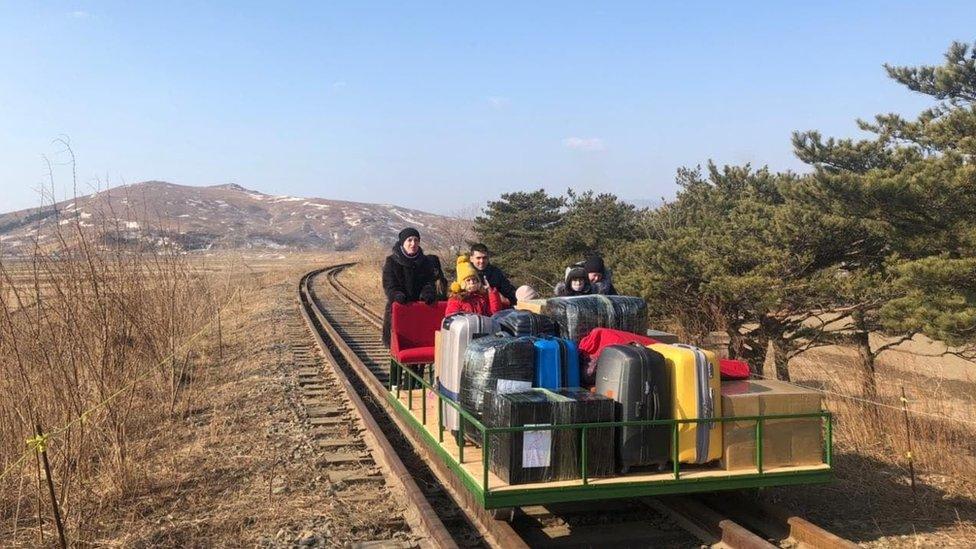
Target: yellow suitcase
{"points": [[696, 386]]}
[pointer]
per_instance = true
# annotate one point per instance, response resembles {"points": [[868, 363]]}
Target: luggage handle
{"points": [[657, 404], [710, 407]]}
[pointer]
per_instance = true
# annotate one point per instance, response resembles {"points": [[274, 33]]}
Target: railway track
{"points": [[440, 511]]}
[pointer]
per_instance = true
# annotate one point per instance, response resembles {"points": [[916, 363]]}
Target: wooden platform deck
{"points": [[473, 459]]}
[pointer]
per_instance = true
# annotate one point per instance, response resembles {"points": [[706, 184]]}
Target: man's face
{"points": [[411, 245], [479, 260], [594, 277]]}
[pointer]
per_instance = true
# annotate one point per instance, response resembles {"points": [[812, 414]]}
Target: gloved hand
{"points": [[400, 297], [428, 296]]}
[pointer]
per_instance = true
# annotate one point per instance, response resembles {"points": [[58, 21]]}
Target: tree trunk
{"points": [[869, 385], [749, 349], [774, 331], [781, 359]]}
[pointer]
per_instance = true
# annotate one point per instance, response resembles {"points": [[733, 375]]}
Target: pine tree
{"points": [[732, 254], [910, 191], [517, 229]]}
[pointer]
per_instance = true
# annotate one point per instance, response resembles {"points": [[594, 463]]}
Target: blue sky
{"points": [[436, 106]]}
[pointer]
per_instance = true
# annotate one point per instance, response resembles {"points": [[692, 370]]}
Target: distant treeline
{"points": [[879, 237]]}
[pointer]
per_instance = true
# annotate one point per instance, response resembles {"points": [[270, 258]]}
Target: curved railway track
{"points": [[440, 511]]}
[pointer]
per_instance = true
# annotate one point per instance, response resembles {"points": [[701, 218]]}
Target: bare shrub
{"points": [[97, 334]]}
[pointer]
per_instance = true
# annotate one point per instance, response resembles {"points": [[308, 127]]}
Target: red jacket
{"points": [[479, 303]]}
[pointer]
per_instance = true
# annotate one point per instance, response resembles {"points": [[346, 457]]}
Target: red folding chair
{"points": [[412, 327]]}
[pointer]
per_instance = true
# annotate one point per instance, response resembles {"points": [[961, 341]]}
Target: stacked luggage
{"points": [[523, 368]]}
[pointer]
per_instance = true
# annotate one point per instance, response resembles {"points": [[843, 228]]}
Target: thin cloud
{"points": [[338, 85], [497, 102], [589, 144], [79, 14]]}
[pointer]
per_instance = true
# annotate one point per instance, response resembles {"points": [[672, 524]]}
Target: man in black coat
{"points": [[408, 275], [491, 274]]}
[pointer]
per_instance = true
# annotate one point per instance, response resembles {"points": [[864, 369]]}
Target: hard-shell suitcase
{"points": [[638, 379], [522, 323], [456, 333], [696, 384], [578, 315], [498, 364], [556, 363]]}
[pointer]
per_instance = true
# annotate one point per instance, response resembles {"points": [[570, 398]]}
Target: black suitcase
{"points": [[582, 406], [638, 379], [497, 364], [522, 323], [528, 456]]}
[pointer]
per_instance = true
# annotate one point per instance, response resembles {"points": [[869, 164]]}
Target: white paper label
{"points": [[536, 447], [512, 386]]}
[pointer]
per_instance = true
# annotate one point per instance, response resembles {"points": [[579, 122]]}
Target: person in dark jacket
{"points": [[408, 275], [490, 274], [576, 283], [599, 276]]}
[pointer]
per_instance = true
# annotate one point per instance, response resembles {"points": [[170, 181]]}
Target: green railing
{"points": [[396, 385]]}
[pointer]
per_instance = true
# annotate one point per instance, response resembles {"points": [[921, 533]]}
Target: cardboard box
{"points": [[786, 442], [533, 305]]}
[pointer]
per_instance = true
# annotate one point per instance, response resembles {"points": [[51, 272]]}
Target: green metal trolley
{"points": [[416, 400]]}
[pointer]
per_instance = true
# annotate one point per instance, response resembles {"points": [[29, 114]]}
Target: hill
{"points": [[219, 217]]}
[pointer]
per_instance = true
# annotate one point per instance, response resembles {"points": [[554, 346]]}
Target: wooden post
{"points": [[42, 449], [908, 434]]}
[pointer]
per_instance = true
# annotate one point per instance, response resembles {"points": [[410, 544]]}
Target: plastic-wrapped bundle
{"points": [[578, 315], [522, 323], [528, 456], [582, 406], [499, 364]]}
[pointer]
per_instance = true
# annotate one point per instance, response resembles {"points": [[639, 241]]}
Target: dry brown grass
{"points": [[872, 500], [205, 450], [97, 342]]}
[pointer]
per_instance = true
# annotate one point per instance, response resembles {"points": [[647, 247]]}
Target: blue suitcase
{"points": [[556, 363]]}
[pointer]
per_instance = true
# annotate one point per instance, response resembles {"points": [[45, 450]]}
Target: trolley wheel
{"points": [[503, 513]]}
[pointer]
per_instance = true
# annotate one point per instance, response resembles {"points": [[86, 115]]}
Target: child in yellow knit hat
{"points": [[469, 295]]}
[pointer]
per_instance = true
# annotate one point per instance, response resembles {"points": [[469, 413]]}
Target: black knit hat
{"points": [[594, 265], [407, 233]]}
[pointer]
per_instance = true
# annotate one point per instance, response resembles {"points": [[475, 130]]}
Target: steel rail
{"points": [[421, 517], [499, 533]]}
